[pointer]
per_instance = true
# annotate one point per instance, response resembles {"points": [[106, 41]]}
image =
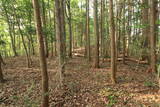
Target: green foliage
{"points": [[110, 96], [2, 42], [28, 102], [112, 100], [149, 84]]}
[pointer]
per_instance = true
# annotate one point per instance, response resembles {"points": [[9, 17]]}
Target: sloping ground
{"points": [[84, 86]]}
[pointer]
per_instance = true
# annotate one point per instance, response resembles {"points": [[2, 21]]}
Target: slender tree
{"points": [[44, 26], [96, 33], [153, 34], [59, 37], [88, 31], [102, 26], [45, 95], [113, 48], [1, 72], [145, 29], [70, 27], [124, 31]]}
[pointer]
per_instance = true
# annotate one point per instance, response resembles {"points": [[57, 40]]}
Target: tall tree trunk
{"points": [[129, 24], [1, 71], [44, 28], [124, 32], [43, 64], [153, 34], [88, 31], [145, 29], [60, 38], [31, 36], [63, 7], [70, 28], [102, 27], [96, 33], [113, 48], [55, 42]]}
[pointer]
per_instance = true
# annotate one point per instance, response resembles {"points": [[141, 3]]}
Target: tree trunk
{"points": [[43, 64], [44, 28], [153, 34], [145, 29], [70, 28], [60, 38], [1, 71], [124, 32], [88, 31], [113, 48], [102, 27], [63, 7], [96, 33]]}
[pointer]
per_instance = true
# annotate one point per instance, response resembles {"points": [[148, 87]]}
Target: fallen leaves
{"points": [[82, 87]]}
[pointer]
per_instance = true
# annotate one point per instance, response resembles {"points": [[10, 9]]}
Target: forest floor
{"points": [[84, 85]]}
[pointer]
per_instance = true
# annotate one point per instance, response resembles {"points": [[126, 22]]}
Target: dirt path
{"points": [[84, 86]]}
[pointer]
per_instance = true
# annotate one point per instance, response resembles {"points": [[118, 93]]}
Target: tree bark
{"points": [[43, 64], [60, 38], [102, 27], [44, 28], [96, 33], [1, 71], [88, 31], [70, 27], [112, 35], [153, 34]]}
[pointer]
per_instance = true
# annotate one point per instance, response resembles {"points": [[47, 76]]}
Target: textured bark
{"points": [[44, 26], [145, 29], [55, 42], [124, 33], [102, 26], [145, 23], [153, 34], [88, 31], [96, 33], [42, 58], [70, 27], [63, 28], [1, 71], [113, 48], [129, 24], [60, 39]]}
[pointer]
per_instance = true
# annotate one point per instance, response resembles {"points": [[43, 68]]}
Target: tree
{"points": [[11, 31], [96, 33], [60, 37], [44, 27], [145, 29], [87, 31], [112, 35], [1, 72], [42, 58], [124, 32], [102, 19], [153, 34], [70, 27]]}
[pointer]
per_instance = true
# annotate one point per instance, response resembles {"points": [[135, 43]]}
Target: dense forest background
{"points": [[103, 51]]}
